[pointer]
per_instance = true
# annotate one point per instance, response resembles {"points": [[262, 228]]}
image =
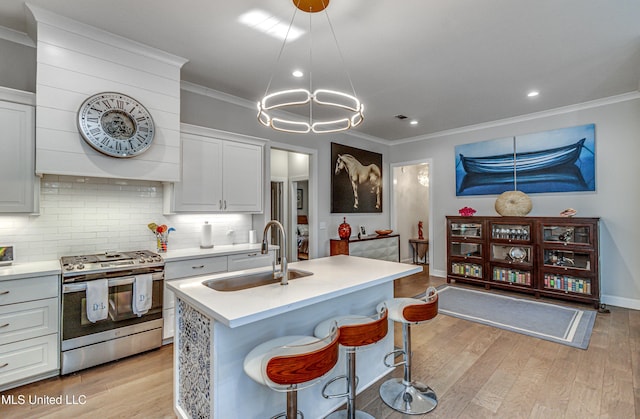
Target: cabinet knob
{"points": [[4, 325], [4, 365], [4, 292]]}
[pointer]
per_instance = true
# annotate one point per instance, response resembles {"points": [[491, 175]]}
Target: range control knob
{"points": [[141, 260], [68, 267], [80, 266]]}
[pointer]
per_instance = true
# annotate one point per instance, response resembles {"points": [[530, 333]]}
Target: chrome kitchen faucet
{"points": [[283, 274]]}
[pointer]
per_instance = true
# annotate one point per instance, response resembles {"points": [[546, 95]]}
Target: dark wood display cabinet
{"points": [[545, 256]]}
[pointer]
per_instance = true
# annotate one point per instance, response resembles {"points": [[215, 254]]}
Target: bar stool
{"points": [[356, 332], [291, 363], [402, 394]]}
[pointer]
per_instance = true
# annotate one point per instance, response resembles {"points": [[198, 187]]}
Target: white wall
{"points": [[81, 215], [19, 72], [616, 198]]}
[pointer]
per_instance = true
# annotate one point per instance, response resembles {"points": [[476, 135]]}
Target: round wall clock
{"points": [[116, 124]]}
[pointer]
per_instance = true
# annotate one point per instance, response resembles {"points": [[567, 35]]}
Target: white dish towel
{"points": [[142, 294], [97, 300]]}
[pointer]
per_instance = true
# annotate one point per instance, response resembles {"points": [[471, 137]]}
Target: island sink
{"points": [[243, 282]]}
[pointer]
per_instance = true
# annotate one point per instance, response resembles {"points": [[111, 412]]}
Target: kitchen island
{"points": [[215, 330]]}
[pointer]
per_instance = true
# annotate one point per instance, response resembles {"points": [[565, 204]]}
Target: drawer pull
{"points": [[4, 325], [197, 267], [252, 254], [4, 292], [4, 365]]}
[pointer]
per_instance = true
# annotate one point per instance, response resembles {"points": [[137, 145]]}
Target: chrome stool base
{"points": [[344, 414], [411, 398]]}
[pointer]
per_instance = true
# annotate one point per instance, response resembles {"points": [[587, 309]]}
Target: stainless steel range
{"points": [[122, 333]]}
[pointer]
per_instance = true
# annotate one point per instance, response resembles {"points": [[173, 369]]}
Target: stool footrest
{"points": [[284, 415], [395, 353], [333, 380], [411, 398], [343, 414]]}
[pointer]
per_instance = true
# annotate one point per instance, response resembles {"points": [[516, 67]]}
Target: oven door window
{"points": [[74, 311]]}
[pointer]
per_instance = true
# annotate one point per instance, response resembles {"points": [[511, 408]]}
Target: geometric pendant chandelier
{"points": [[323, 110]]}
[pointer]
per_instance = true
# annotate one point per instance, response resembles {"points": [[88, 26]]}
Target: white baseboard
{"points": [[620, 302]]}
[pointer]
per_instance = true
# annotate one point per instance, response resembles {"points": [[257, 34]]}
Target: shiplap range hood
{"points": [[75, 61]]}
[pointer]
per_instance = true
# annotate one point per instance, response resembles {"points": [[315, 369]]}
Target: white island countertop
{"points": [[332, 277]]}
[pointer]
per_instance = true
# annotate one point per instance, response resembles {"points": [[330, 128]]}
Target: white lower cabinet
{"points": [[203, 266], [29, 327]]}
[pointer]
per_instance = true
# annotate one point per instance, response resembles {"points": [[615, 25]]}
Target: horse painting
{"points": [[359, 174]]}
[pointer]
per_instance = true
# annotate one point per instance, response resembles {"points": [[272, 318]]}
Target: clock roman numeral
{"points": [[106, 104], [120, 104]]}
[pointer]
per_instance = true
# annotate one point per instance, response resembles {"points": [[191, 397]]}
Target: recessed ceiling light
{"points": [[297, 73], [413, 122], [533, 93]]}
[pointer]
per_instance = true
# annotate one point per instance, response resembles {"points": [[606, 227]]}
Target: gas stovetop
{"points": [[110, 261]]}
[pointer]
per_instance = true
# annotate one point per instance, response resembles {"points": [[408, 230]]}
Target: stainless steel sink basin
{"points": [[243, 282]]}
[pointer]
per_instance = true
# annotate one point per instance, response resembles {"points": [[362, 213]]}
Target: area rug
{"points": [[566, 325]]}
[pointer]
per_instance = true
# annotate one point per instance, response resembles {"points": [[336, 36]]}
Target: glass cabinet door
{"points": [[511, 254], [466, 250], [466, 229], [467, 269], [561, 258], [567, 234], [511, 232]]}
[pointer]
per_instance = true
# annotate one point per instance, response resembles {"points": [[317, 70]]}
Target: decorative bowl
{"points": [[383, 232]]}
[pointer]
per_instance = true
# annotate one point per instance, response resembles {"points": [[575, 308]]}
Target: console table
{"points": [[420, 249], [385, 247]]}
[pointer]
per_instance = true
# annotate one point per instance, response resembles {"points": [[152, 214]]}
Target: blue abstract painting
{"points": [[560, 160]]}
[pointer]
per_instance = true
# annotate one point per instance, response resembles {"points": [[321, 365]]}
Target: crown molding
{"points": [[17, 96], [46, 17], [16, 36], [528, 117], [220, 134]]}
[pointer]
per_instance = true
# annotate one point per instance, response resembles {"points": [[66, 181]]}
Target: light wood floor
{"points": [[477, 372]]}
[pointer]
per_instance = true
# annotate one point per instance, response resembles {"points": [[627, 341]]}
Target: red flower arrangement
{"points": [[466, 211]]}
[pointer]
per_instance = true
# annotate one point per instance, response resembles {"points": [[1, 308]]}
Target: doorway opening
{"points": [[290, 202], [411, 209]]}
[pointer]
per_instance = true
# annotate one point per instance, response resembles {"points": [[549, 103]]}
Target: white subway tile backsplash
{"points": [[80, 215]]}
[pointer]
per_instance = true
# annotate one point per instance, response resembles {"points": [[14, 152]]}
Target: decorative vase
{"points": [[344, 230]]}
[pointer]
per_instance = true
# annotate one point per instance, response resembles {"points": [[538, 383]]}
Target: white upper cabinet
{"points": [[18, 182], [242, 177], [219, 175], [201, 186]]}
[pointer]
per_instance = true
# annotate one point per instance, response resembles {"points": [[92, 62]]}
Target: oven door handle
{"points": [[127, 280]]}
